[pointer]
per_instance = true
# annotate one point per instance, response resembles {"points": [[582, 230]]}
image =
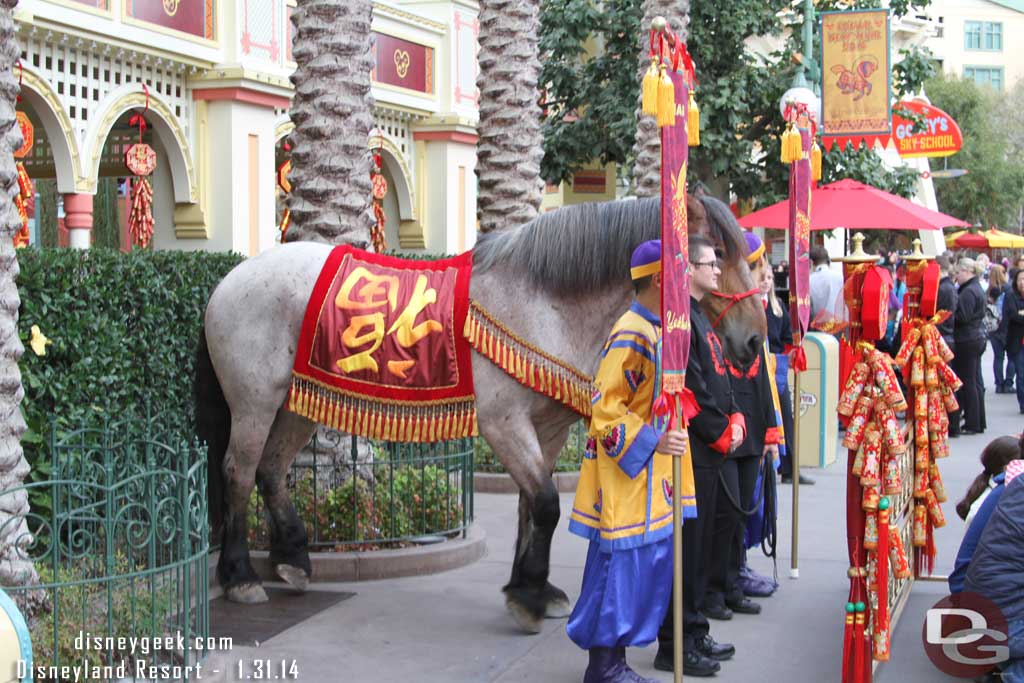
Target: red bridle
{"points": [[733, 300]]}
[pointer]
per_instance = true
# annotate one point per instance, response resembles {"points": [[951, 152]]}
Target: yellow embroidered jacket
{"points": [[624, 494]]}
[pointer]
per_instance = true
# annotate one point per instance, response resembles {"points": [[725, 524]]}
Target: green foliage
{"points": [[589, 65], [124, 330], [82, 605], [569, 458], [991, 193], [400, 501]]}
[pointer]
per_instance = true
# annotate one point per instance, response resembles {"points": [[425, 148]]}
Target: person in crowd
{"points": [[716, 430], [969, 343], [996, 324], [628, 574], [826, 285], [1019, 263], [994, 459], [780, 343], [752, 389], [1013, 312], [996, 570], [946, 296], [983, 265]]}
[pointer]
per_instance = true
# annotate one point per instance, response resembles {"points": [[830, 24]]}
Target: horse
{"points": [[559, 281]]}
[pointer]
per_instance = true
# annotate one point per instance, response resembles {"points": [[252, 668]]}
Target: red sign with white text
{"points": [[940, 138], [403, 64], [194, 17]]}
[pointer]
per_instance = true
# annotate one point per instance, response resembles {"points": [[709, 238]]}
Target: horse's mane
{"points": [[574, 250], [724, 229]]}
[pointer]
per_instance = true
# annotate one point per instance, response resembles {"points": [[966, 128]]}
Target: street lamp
{"points": [[804, 89]]}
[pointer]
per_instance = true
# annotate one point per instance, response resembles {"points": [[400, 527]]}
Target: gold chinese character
{"points": [[352, 339], [408, 334], [378, 290]]}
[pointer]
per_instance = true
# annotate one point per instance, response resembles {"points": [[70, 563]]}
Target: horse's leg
{"points": [[516, 444], [234, 568], [289, 543], [556, 603]]}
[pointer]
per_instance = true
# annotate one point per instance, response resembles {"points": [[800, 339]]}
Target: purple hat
{"points": [[646, 260], [755, 246]]}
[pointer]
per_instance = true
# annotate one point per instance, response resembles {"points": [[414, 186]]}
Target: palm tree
{"points": [[647, 150], [14, 569], [511, 143], [333, 114]]}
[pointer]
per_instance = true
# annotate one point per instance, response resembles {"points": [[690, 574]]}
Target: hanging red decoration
{"points": [[141, 162], [286, 187], [26, 193], [380, 190]]}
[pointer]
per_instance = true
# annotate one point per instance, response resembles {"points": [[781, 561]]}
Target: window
{"points": [[983, 35], [982, 75]]}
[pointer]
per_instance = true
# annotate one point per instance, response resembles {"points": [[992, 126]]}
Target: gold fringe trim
{"points": [[527, 364], [382, 419]]}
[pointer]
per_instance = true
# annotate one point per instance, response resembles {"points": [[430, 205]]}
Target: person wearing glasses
{"points": [[715, 431]]}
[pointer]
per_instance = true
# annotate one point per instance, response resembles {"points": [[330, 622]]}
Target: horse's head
{"points": [[736, 308]]}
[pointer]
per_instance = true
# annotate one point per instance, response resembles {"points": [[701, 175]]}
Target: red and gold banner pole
{"points": [[797, 144], [668, 95]]}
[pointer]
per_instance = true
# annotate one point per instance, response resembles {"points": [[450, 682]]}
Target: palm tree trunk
{"points": [[15, 570], [333, 114], [647, 149], [511, 143]]}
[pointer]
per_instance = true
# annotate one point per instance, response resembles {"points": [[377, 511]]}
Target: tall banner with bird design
{"points": [[855, 91]]}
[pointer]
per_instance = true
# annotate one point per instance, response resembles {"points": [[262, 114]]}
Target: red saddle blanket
{"points": [[381, 353]]}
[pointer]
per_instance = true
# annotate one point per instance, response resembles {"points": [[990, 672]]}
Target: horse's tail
{"points": [[213, 426]]}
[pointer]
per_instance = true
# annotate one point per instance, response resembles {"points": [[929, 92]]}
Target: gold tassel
{"points": [[666, 100], [693, 122], [798, 145], [365, 426], [816, 162], [787, 145], [649, 90]]}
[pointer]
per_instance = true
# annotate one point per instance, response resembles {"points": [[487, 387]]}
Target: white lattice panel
{"points": [[83, 73], [260, 36]]}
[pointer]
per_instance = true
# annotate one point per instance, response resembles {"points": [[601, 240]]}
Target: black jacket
{"points": [[996, 570], [752, 392], [969, 320], [999, 334], [708, 378], [946, 300], [780, 331], [1013, 316]]}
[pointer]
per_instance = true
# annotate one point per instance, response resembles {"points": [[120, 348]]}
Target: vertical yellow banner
{"points": [[855, 76]]}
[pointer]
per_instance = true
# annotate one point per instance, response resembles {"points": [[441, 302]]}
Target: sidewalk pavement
{"points": [[452, 627]]}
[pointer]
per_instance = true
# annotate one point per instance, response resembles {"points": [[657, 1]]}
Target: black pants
{"points": [[698, 539], [786, 459], [735, 498], [967, 366]]}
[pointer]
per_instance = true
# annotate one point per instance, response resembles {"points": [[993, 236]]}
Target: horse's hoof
{"points": [[247, 593], [527, 619], [556, 603], [297, 578]]}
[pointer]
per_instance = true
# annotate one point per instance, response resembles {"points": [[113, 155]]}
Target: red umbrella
{"points": [[856, 206]]}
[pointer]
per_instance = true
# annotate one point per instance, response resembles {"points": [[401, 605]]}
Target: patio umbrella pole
{"points": [[794, 567]]}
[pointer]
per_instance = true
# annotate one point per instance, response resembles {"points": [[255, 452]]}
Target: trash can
{"points": [[819, 399]]}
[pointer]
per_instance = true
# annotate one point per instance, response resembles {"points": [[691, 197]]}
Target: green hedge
{"points": [[124, 329]]}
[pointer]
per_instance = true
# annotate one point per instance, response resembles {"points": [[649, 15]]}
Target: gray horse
{"points": [[560, 282]]}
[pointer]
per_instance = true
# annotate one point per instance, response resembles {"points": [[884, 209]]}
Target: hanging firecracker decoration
{"points": [[286, 187], [380, 190], [141, 162], [26, 195]]}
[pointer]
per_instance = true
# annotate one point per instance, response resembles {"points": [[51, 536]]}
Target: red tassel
{"points": [[848, 640], [799, 359], [860, 642], [881, 616], [689, 405]]}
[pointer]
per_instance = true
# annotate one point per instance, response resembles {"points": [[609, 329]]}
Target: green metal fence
{"points": [[352, 493], [119, 537]]}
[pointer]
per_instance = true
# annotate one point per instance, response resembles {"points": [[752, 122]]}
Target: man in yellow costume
{"points": [[623, 500]]}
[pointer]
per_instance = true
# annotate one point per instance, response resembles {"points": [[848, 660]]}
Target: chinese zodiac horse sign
{"points": [[857, 81], [545, 294]]}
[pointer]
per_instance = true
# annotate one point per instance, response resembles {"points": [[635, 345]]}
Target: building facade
{"points": [[211, 79], [975, 39]]}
